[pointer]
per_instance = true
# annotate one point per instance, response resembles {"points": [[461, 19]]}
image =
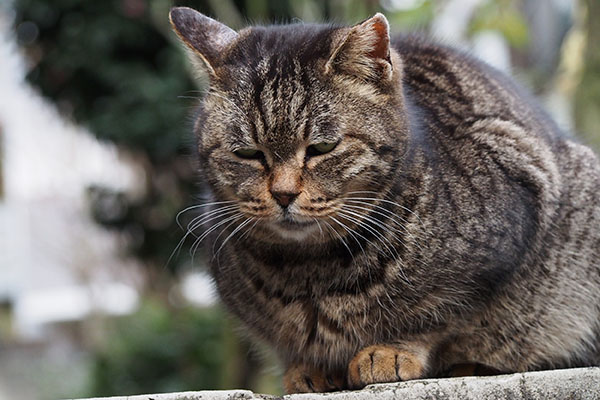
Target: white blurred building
{"points": [[56, 263]]}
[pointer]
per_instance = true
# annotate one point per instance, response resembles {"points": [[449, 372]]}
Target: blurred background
{"points": [[96, 160]]}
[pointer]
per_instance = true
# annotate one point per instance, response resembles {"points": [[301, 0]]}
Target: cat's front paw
{"points": [[383, 363], [304, 379]]}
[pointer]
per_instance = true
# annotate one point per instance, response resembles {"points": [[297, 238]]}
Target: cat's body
{"points": [[451, 222]]}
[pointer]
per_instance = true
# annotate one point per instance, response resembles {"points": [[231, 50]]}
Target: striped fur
{"points": [[453, 221]]}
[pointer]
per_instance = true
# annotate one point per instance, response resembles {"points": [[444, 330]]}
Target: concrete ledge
{"points": [[580, 383]]}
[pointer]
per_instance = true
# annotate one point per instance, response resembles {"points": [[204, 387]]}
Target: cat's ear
{"points": [[206, 37], [364, 50]]}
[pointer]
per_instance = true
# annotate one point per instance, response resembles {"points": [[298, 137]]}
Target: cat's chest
{"points": [[287, 273], [313, 305], [308, 324]]}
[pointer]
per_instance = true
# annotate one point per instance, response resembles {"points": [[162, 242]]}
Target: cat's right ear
{"points": [[363, 51], [206, 37]]}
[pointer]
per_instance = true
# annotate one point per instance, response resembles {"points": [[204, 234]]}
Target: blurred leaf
{"points": [[160, 349], [587, 96], [502, 16], [417, 18], [108, 66]]}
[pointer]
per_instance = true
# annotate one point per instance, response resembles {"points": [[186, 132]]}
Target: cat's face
{"points": [[290, 129]]}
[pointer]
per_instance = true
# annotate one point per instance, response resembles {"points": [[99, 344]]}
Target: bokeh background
{"points": [[96, 161]]}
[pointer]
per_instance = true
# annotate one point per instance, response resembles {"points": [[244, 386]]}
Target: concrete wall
{"points": [[580, 383]]}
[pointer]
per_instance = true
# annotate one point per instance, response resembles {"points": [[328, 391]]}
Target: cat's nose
{"points": [[284, 198]]}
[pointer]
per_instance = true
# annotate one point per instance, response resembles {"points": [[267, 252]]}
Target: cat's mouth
{"points": [[290, 221], [293, 228], [292, 224]]}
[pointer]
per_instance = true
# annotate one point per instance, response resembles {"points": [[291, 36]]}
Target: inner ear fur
{"points": [[364, 50], [206, 37]]}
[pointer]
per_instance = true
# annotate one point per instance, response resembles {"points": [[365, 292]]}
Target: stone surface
{"points": [[579, 383]]}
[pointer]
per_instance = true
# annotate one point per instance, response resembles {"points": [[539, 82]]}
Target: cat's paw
{"points": [[304, 379], [383, 363]]}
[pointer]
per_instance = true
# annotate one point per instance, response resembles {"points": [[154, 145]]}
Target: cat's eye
{"points": [[249, 153], [320, 148]]}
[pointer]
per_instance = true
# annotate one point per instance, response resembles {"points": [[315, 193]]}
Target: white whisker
{"points": [[331, 228], [379, 236], [389, 228], [197, 242], [237, 228], [387, 213], [198, 206], [375, 221], [319, 225], [374, 232], [243, 235], [384, 201], [197, 222], [351, 233]]}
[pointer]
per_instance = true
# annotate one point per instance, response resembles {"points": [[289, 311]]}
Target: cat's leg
{"points": [[300, 378], [387, 363]]}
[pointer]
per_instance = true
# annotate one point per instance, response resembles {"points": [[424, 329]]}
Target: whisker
{"points": [[392, 217], [176, 250], [351, 233], [229, 101], [382, 209], [379, 236], [212, 229], [237, 228], [374, 232], [197, 222], [216, 240], [198, 206], [319, 225], [243, 235], [383, 200], [389, 217], [331, 228], [373, 221]]}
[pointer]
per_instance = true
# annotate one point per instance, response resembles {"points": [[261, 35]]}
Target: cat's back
{"points": [[476, 112], [454, 90], [477, 118]]}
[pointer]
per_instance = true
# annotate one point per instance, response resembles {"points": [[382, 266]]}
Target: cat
{"points": [[386, 209]]}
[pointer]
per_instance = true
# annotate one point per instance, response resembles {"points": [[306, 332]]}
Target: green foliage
{"points": [[109, 65], [417, 18], [503, 16], [115, 67], [587, 96], [159, 349]]}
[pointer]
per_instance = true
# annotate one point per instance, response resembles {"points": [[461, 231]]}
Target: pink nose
{"points": [[284, 198]]}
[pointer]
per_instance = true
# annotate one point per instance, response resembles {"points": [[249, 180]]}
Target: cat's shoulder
{"points": [[439, 75], [422, 52]]}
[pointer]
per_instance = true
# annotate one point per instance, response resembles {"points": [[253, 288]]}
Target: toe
{"points": [[379, 364]]}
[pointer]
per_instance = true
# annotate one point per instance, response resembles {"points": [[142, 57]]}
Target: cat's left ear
{"points": [[207, 38], [364, 50]]}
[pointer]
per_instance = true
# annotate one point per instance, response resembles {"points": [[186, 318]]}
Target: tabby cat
{"points": [[385, 209]]}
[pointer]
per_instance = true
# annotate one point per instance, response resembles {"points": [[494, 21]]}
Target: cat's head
{"points": [[298, 119]]}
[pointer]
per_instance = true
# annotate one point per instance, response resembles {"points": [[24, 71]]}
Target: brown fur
{"points": [[453, 223]]}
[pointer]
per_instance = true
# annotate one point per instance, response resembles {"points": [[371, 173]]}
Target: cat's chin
{"points": [[295, 230]]}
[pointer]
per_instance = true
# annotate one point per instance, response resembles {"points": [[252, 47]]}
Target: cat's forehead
{"points": [[282, 109], [288, 44], [277, 87]]}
